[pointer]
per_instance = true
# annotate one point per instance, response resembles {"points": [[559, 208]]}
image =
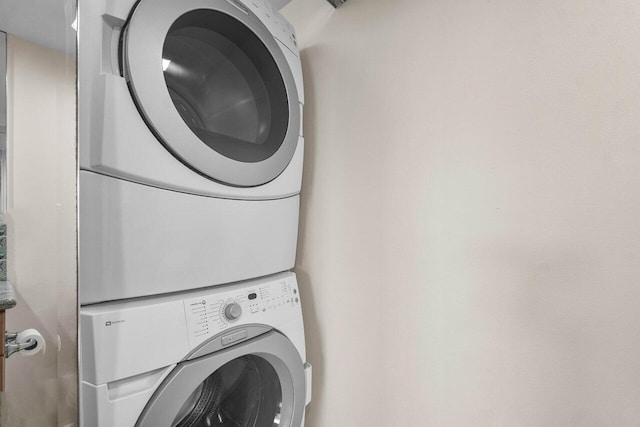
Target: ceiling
{"points": [[44, 22]]}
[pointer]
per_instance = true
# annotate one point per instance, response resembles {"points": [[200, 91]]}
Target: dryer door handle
{"points": [[308, 370]]}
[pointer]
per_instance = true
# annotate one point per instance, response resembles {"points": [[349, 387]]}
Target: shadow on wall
{"points": [[315, 354]]}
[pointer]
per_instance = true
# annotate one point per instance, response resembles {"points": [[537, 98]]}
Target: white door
{"points": [[41, 213]]}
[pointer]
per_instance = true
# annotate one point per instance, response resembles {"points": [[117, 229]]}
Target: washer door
{"points": [[259, 383], [214, 87]]}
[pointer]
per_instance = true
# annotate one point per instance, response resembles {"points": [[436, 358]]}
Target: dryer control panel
{"points": [[266, 303]]}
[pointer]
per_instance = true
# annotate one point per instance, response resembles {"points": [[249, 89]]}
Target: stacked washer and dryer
{"points": [[191, 154]]}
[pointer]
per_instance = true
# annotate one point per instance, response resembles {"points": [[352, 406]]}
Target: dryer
{"points": [[230, 356], [190, 141]]}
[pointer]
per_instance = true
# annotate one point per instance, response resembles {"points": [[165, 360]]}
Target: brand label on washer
{"points": [[113, 322]]}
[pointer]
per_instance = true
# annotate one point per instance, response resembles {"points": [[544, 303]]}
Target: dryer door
{"points": [[259, 383], [214, 86]]}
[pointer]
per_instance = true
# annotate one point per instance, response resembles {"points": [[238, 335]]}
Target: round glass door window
{"points": [[225, 85], [244, 392]]}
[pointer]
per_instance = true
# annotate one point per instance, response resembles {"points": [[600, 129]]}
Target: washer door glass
{"points": [[255, 383], [225, 85], [244, 392]]}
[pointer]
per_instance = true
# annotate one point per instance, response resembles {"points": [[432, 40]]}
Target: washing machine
{"points": [[190, 144], [230, 356]]}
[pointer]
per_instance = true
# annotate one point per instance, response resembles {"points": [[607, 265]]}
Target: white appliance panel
{"points": [[137, 240]]}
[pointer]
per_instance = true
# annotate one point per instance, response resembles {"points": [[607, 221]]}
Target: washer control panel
{"points": [[208, 315]]}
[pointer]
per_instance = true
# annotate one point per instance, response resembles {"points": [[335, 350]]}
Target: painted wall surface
{"points": [[41, 390], [470, 242]]}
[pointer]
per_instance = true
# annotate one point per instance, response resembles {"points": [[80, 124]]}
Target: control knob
{"points": [[232, 311]]}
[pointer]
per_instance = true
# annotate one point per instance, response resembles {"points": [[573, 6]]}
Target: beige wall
{"points": [[41, 390], [470, 236]]}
